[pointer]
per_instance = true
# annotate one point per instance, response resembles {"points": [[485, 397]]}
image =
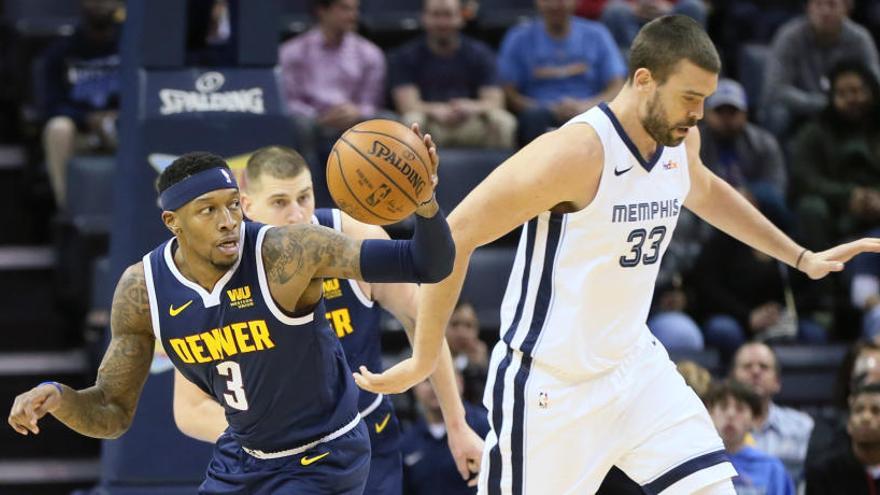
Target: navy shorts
{"points": [[386, 465], [340, 466]]}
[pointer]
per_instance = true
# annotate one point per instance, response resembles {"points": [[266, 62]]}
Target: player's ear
{"points": [[246, 203], [643, 79], [172, 223]]}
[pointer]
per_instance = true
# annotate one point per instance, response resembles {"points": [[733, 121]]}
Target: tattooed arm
{"points": [[106, 409]]}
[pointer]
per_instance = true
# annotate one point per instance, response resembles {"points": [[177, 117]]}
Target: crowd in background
{"points": [[799, 136]]}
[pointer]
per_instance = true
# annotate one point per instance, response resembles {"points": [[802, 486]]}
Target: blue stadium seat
{"points": [[90, 193], [296, 16], [462, 169], [809, 374], [502, 14], [41, 17], [752, 59], [707, 358], [817, 357], [102, 285], [380, 16], [486, 282]]}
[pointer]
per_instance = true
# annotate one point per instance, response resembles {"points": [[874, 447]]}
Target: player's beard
{"points": [[658, 127]]}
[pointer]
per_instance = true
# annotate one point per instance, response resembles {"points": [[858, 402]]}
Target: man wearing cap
{"points": [[743, 154], [238, 308]]}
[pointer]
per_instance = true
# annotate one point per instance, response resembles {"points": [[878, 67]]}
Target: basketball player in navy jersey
{"points": [[237, 307], [577, 382], [277, 190]]}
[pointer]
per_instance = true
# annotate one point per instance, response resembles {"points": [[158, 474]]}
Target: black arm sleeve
{"points": [[427, 257]]}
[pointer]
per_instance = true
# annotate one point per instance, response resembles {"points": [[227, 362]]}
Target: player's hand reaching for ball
{"points": [[429, 208], [32, 405], [817, 265]]}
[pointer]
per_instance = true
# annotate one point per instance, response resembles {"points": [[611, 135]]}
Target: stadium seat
{"points": [[809, 374], [90, 193], [41, 17], [462, 169], [502, 14], [486, 282], [296, 16], [381, 16], [752, 59]]}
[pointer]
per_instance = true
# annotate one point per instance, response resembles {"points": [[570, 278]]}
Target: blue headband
{"points": [[194, 186]]}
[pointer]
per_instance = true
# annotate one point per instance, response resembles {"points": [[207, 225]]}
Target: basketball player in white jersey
{"points": [[577, 382]]}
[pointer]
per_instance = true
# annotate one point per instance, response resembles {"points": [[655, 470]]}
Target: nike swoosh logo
{"points": [[308, 461], [380, 427], [176, 311], [621, 172]]}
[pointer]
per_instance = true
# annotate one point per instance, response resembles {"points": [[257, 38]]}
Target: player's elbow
{"points": [[440, 266]]}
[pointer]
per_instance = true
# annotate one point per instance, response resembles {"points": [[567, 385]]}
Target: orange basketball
{"points": [[379, 172]]}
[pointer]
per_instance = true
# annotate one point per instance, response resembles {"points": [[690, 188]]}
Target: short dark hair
{"points": [[777, 366], [278, 161], [665, 41], [868, 388], [187, 165], [720, 391], [322, 4]]}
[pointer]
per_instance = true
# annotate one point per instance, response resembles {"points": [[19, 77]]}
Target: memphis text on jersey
{"points": [[220, 343], [641, 212]]}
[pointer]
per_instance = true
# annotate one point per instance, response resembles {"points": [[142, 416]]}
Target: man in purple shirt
{"points": [[333, 78]]}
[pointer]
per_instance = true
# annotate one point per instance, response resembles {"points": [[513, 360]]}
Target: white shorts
{"points": [[561, 437]]}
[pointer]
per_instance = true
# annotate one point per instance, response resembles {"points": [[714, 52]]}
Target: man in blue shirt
{"points": [[557, 66], [447, 82], [733, 408]]}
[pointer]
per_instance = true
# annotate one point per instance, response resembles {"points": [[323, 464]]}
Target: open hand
{"points": [[817, 265]]}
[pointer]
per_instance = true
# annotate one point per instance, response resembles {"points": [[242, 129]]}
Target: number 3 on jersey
{"points": [[637, 238], [235, 397]]}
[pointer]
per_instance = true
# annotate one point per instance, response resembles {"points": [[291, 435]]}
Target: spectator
{"points": [[447, 82], [745, 155], [779, 431], [733, 408], [428, 466], [836, 165], [865, 289], [469, 354], [745, 294], [332, 77], [556, 67], [802, 53], [860, 367], [851, 468], [82, 91], [624, 18]]}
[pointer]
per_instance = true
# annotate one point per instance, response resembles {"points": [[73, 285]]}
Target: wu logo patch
{"points": [[331, 288], [241, 297]]}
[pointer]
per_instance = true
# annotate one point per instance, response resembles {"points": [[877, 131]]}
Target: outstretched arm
{"points": [[196, 413], [716, 202], [559, 168], [401, 301], [106, 409]]}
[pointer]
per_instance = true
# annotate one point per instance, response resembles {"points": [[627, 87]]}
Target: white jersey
{"points": [[582, 283]]}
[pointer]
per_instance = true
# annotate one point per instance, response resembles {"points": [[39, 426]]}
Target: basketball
{"points": [[379, 172]]}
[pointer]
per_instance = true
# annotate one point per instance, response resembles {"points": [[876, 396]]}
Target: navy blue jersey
{"points": [[353, 316], [282, 380], [355, 319]]}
